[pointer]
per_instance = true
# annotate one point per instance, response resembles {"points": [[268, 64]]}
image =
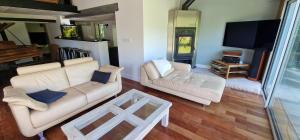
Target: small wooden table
{"points": [[228, 70]]}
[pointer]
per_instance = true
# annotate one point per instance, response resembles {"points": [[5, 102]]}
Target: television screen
{"points": [[241, 35], [251, 34], [70, 31]]}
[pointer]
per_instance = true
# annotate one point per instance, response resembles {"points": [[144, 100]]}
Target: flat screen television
{"points": [[71, 31], [251, 34]]}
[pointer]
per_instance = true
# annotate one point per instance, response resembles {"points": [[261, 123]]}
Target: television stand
{"points": [[229, 70]]}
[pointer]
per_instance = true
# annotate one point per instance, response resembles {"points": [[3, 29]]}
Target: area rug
{"points": [[242, 84]]}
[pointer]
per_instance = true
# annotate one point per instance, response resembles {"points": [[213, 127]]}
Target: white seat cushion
{"points": [[164, 67], [95, 91], [69, 103], [199, 85]]}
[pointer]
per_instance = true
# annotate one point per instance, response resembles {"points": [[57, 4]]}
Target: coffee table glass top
{"points": [[122, 118]]}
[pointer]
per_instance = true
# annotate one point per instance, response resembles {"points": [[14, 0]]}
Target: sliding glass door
{"points": [[283, 78], [279, 48]]}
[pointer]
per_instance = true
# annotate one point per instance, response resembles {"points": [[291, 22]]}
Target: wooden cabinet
{"points": [[49, 1]]}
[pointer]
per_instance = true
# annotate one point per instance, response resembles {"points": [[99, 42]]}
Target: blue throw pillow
{"points": [[101, 77], [47, 96]]}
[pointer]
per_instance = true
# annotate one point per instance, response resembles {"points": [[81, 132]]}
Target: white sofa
{"points": [[182, 82], [74, 79]]}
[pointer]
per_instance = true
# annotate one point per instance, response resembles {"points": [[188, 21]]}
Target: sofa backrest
{"points": [[54, 79], [151, 71], [38, 68], [81, 73], [77, 61]]}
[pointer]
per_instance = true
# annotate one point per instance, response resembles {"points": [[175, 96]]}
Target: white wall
{"points": [[20, 31], [35, 27], [98, 50], [53, 29], [215, 14], [141, 30], [156, 13], [129, 22]]}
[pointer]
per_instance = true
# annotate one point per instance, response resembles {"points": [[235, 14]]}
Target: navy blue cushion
{"points": [[101, 77], [47, 96]]}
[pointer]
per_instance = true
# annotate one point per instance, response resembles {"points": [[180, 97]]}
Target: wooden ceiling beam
{"points": [[31, 4]]}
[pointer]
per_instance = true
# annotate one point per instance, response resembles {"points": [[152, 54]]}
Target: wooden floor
{"points": [[238, 116]]}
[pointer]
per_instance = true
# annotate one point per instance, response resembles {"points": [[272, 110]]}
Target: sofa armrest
{"points": [[21, 114], [113, 70], [144, 77], [22, 117], [181, 66], [119, 79]]}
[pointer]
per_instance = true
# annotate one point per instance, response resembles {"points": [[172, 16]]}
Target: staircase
{"points": [[4, 26]]}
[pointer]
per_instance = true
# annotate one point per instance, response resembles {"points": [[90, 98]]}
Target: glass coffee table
{"points": [[130, 116]]}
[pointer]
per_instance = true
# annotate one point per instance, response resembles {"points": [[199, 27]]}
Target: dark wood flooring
{"points": [[238, 116]]}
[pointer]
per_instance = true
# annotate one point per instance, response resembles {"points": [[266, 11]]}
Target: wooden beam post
{"points": [[3, 35], [280, 9]]}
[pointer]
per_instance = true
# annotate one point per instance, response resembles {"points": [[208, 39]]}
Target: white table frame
{"points": [[142, 127]]}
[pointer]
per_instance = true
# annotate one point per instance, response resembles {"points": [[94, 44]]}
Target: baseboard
{"points": [[202, 66], [131, 77]]}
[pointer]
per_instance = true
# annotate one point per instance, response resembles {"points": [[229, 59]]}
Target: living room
{"points": [[205, 69]]}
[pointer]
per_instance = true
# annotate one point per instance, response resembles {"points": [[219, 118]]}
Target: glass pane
{"points": [[119, 132], [146, 110], [130, 102], [185, 45], [285, 101], [89, 128], [279, 50]]}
